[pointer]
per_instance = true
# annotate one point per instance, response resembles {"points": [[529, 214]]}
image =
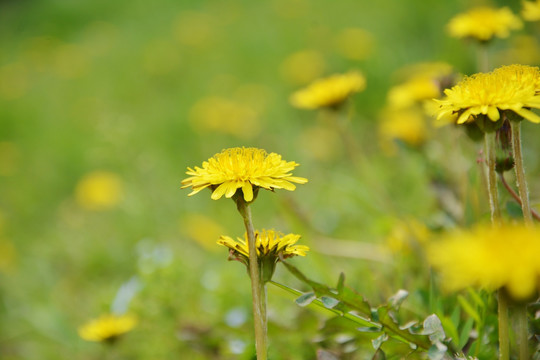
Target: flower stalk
{"points": [[258, 289], [520, 171], [522, 331], [493, 194]]}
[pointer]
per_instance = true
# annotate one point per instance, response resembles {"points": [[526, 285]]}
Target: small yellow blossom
{"points": [[531, 10], [107, 327], [508, 88], [226, 116], [490, 257], [270, 244], [247, 169], [355, 43], [329, 92], [408, 125], [484, 23], [99, 190], [302, 67]]}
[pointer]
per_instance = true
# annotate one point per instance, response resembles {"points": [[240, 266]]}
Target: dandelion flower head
{"points": [[329, 92], [531, 10], [484, 23], [490, 257], [242, 168], [514, 87], [268, 243], [107, 327]]}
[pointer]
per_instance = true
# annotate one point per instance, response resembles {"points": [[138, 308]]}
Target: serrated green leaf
{"points": [[305, 299], [329, 302], [398, 298]]}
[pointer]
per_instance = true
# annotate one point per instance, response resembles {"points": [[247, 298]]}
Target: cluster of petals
{"points": [[514, 87], [483, 23], [107, 327], [268, 243], [242, 168], [491, 258], [330, 91], [531, 10]]}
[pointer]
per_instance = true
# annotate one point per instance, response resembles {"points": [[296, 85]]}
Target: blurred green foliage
{"points": [[111, 86]]}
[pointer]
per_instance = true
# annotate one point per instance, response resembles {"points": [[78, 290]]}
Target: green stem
{"points": [[483, 58], [504, 335], [493, 195], [523, 332], [520, 172], [258, 290]]}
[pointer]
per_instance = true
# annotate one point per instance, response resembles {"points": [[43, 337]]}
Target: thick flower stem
{"points": [[522, 331], [258, 290], [520, 172], [504, 334], [493, 195]]}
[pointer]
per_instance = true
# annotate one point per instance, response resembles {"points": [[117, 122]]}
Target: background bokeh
{"points": [[103, 105]]}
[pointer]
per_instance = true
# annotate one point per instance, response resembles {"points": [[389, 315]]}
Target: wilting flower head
{"points": [[330, 91], [242, 168], [531, 10], [490, 257], [483, 23], [513, 88], [107, 327], [270, 244]]}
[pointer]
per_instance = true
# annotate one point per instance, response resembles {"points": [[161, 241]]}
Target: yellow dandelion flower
{"points": [[484, 23], [408, 125], [490, 257], [99, 190], [508, 88], [242, 168], [269, 244], [107, 327], [531, 10], [329, 92], [413, 91]]}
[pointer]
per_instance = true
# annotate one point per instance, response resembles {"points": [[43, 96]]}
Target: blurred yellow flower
{"points": [[203, 229], [531, 10], [483, 23], [355, 43], [524, 49], [329, 92], [422, 81], [490, 257], [514, 88], [405, 235], [247, 169], [226, 116], [302, 67], [408, 125], [99, 190], [107, 327], [413, 91]]}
